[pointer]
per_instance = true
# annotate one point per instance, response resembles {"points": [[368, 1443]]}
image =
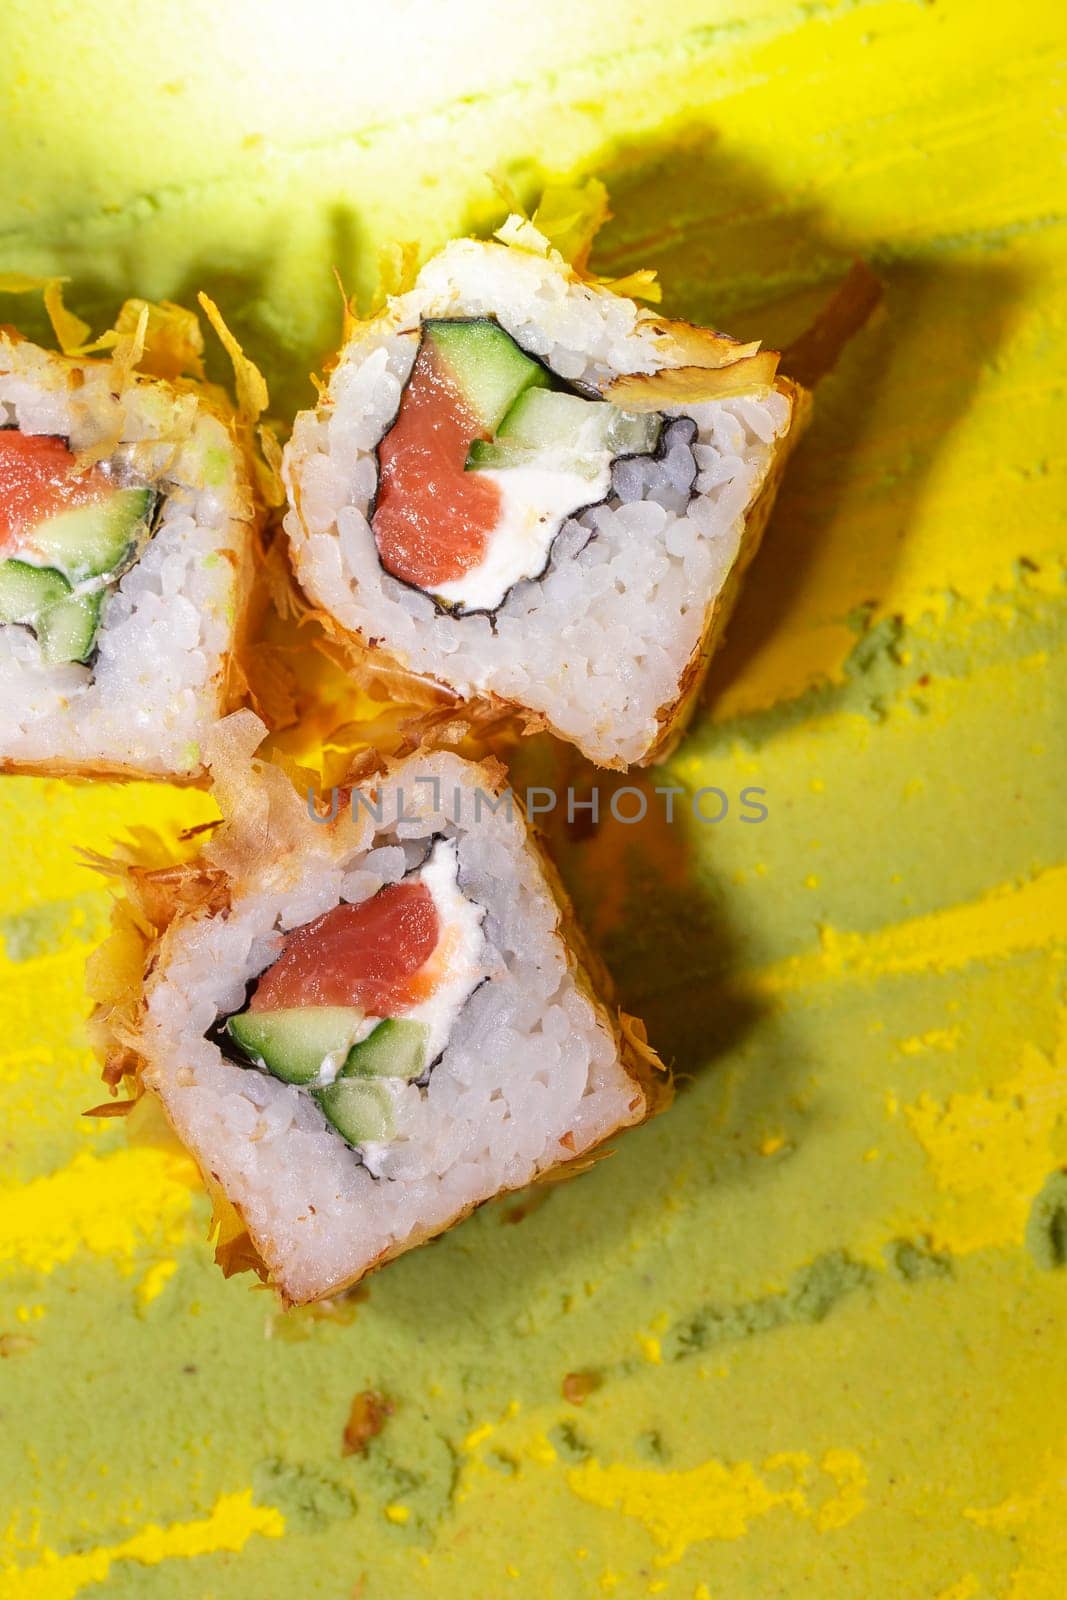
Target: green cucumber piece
{"points": [[553, 418], [293, 1043], [65, 624], [495, 453], [359, 1108], [25, 591], [543, 419], [486, 365], [89, 541], [396, 1049], [67, 630]]}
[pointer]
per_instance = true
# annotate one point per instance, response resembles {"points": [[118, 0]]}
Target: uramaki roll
{"points": [[364, 1027], [126, 516], [522, 488]]}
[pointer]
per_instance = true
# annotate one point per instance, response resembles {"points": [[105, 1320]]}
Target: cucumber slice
{"points": [[25, 591], [294, 1043], [563, 420], [543, 419], [67, 630], [486, 364], [396, 1049], [359, 1109], [498, 453], [88, 541], [65, 624]]}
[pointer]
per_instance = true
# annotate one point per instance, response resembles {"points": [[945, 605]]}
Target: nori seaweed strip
{"points": [[658, 454]]}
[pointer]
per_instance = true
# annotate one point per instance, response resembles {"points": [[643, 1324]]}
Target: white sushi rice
{"points": [[532, 1060], [600, 644], [156, 685]]}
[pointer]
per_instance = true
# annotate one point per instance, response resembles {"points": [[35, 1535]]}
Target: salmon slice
{"points": [[368, 955], [433, 520], [39, 479]]}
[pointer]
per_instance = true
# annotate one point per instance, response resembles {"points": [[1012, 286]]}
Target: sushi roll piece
{"points": [[523, 489], [125, 549], [364, 1027]]}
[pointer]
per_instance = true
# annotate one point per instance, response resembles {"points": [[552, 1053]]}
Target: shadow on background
{"points": [[736, 253], [285, 341]]}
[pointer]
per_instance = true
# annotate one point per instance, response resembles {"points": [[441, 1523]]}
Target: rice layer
{"points": [[157, 683], [598, 647], [532, 1075]]}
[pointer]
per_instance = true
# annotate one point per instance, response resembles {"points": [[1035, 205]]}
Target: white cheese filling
{"points": [[535, 502], [460, 951]]}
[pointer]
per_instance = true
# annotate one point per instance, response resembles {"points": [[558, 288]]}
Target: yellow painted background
{"points": [[830, 1367]]}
